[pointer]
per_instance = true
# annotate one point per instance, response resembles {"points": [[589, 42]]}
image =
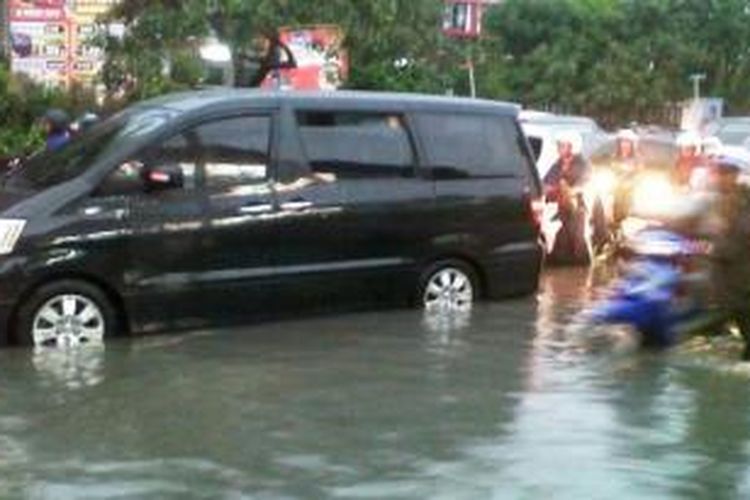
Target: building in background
{"points": [[463, 18]]}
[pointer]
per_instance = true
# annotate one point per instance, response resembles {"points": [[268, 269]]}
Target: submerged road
{"points": [[501, 403]]}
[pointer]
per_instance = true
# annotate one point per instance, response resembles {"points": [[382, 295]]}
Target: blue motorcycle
{"points": [[654, 295]]}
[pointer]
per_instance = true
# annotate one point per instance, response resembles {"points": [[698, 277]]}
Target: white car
{"points": [[541, 130], [732, 131]]}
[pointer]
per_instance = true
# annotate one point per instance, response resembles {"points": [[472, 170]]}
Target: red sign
{"points": [[463, 18], [36, 10], [321, 60]]}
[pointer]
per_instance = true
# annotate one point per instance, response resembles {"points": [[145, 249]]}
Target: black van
{"points": [[217, 204]]}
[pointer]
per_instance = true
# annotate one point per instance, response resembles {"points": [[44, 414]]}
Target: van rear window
{"points": [[473, 145]]}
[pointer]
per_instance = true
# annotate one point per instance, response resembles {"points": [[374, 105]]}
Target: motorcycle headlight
{"points": [[10, 232], [654, 194], [604, 182]]}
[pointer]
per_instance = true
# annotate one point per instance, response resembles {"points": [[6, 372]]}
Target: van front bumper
{"points": [[6, 313]]}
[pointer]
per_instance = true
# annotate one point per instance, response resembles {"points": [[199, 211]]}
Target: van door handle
{"points": [[296, 205], [260, 208]]}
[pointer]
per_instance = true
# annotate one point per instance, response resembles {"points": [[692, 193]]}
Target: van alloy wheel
{"points": [[68, 320], [448, 289]]}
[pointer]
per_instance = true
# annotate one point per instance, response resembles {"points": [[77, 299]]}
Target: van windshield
{"points": [[46, 169]]}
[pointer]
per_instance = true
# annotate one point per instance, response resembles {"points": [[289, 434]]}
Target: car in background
{"points": [[732, 131], [541, 130]]}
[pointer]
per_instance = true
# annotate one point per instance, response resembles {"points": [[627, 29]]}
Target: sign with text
{"points": [[49, 39]]}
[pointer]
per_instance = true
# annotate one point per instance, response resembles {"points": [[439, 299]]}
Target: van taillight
{"points": [[537, 210]]}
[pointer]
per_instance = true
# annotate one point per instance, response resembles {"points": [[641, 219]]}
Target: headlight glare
{"points": [[654, 194], [604, 182]]}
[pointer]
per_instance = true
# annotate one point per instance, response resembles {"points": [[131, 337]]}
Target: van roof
{"points": [[227, 97]]}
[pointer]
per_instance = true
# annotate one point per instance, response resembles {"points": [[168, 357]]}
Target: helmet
{"points": [[711, 146], [571, 137], [627, 134], [58, 119], [688, 139], [732, 160]]}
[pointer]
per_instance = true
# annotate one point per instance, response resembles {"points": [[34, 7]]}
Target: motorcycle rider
{"points": [[626, 156], [563, 185], [57, 128], [626, 164], [702, 173], [570, 166], [730, 271], [689, 157]]}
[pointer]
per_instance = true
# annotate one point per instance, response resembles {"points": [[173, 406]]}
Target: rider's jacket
{"points": [[571, 173]]}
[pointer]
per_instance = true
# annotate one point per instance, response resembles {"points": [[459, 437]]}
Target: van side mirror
{"points": [[163, 178]]}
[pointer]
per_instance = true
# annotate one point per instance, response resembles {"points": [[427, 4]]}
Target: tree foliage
{"points": [[619, 60], [23, 103], [378, 33]]}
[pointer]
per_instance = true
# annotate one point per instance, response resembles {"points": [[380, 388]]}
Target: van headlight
{"points": [[10, 232]]}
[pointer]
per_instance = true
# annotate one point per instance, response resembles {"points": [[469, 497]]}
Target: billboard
{"points": [[698, 115], [39, 39], [320, 58], [49, 39]]}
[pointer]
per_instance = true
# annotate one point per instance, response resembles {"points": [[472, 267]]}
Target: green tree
{"points": [[619, 60], [379, 34]]}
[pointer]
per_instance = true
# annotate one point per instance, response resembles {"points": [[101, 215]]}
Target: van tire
{"points": [[454, 277], [90, 302]]}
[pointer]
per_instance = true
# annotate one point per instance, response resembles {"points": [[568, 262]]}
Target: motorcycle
{"points": [[662, 292], [574, 224]]}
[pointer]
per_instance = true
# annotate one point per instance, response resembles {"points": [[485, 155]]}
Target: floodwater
{"points": [[504, 403]]}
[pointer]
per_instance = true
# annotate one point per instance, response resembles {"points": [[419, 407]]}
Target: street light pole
{"points": [[472, 78], [697, 78]]}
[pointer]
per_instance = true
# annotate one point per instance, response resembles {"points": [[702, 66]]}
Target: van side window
{"points": [[175, 151], [526, 158], [356, 145], [128, 177], [471, 146], [234, 151], [225, 152]]}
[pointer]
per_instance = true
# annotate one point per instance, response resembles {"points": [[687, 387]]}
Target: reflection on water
{"points": [[444, 330], [561, 330], [71, 368], [500, 402]]}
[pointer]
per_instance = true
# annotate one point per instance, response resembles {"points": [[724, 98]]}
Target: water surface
{"points": [[500, 404]]}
